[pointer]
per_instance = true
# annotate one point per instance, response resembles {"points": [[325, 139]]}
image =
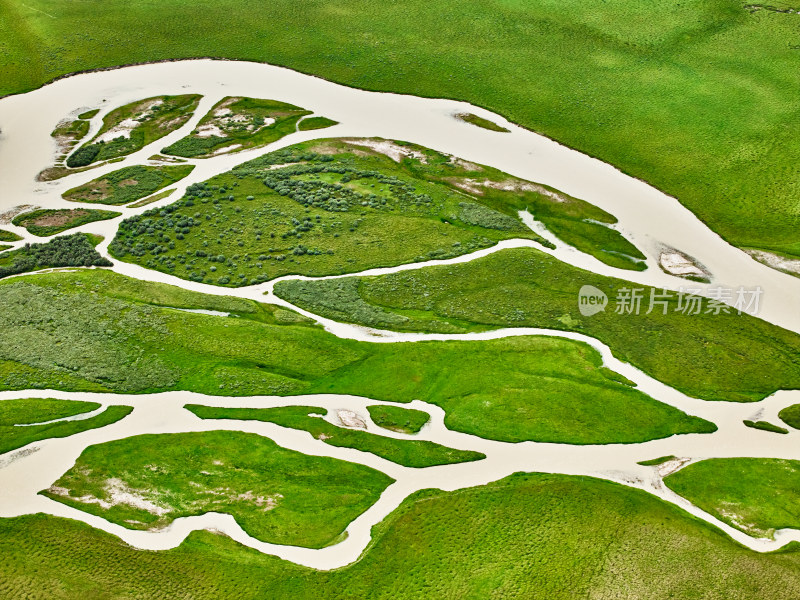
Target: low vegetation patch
{"points": [[409, 453], [128, 184], [236, 123], [76, 250], [653, 462], [791, 416], [547, 547], [131, 127], [19, 418], [720, 356], [276, 495], [8, 236], [394, 418], [50, 221], [481, 122], [151, 199], [332, 207], [112, 334], [310, 123], [756, 495], [766, 426]]}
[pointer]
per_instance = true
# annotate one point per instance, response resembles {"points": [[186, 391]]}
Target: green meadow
{"points": [[697, 98], [533, 536], [99, 331], [712, 356]]}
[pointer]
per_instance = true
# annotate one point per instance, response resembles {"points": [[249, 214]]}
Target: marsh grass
{"points": [[244, 126], [14, 412], [409, 453], [711, 356], [99, 330], [50, 221], [276, 495], [394, 418], [755, 495], [127, 184], [534, 536], [157, 117]]}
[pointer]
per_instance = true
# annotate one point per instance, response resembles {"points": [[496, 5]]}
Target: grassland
{"points": [[127, 184], [673, 94], [333, 207], [311, 123], [570, 537], [151, 199], [791, 416], [481, 122], [28, 412], [276, 495], [765, 426], [50, 221], [131, 127], [394, 418], [76, 250], [711, 356], [96, 330], [409, 453], [8, 236], [237, 124], [756, 495]]}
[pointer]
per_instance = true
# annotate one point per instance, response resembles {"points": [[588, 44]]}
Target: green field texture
{"points": [[481, 122], [394, 418], [409, 453], [38, 410], [76, 250], [539, 537], [766, 426], [697, 98], [157, 117], [791, 416], [243, 127], [97, 330], [311, 123], [756, 495], [276, 495], [70, 132], [8, 236], [127, 184], [50, 221], [710, 356], [332, 207]]}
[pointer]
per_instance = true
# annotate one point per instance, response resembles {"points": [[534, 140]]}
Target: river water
{"points": [[646, 216]]}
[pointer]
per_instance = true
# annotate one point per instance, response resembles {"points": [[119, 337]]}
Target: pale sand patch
{"points": [[118, 493], [230, 148], [124, 128], [7, 216], [677, 263], [474, 186], [208, 130], [788, 265], [351, 419], [389, 148]]}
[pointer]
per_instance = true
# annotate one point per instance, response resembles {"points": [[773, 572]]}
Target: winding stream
{"points": [[649, 218]]}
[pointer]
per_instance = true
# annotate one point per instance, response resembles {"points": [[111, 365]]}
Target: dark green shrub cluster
{"points": [[8, 236], [85, 155], [67, 251], [192, 146], [483, 216]]}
